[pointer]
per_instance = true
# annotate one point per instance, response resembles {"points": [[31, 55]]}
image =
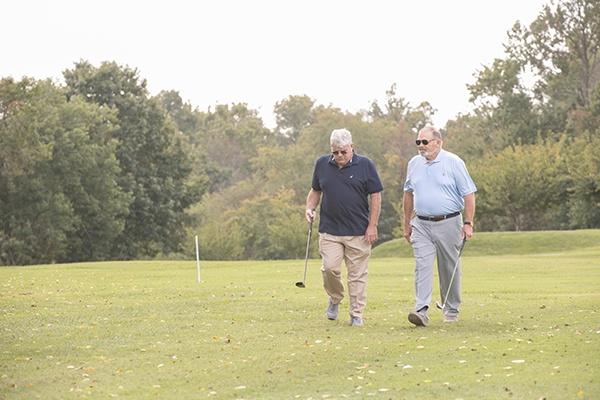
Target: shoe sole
{"points": [[416, 319]]}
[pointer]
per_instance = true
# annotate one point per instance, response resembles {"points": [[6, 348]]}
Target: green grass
{"points": [[529, 328], [500, 243]]}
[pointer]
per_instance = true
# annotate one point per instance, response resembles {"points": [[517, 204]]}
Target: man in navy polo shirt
{"points": [[343, 182], [437, 188]]}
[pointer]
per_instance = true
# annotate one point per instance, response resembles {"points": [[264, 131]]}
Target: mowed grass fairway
{"points": [[529, 329]]}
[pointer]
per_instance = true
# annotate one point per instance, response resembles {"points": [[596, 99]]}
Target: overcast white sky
{"points": [[346, 53]]}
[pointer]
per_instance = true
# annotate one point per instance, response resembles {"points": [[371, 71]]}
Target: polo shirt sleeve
{"points": [[373, 182], [408, 186], [315, 179], [464, 183]]}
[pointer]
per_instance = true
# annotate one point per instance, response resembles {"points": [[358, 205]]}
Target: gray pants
{"points": [[441, 239]]}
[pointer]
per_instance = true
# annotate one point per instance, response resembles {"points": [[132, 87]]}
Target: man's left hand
{"points": [[371, 234], [467, 231]]}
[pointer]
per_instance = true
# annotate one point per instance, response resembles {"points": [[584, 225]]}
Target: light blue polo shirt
{"points": [[438, 186]]}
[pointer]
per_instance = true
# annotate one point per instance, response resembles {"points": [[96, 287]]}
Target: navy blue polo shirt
{"points": [[345, 191]]}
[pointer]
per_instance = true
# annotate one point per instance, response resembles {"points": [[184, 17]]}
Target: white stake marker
{"points": [[197, 260]]}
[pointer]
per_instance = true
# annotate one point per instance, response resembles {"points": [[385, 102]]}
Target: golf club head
{"points": [[438, 305], [300, 284]]}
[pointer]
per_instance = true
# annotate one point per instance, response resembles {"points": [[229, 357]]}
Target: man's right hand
{"points": [[407, 233], [310, 215]]}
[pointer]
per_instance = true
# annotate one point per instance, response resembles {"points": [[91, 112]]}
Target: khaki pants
{"points": [[355, 251]]}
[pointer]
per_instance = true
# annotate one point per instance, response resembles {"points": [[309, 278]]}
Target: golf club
{"points": [[302, 283], [437, 303]]}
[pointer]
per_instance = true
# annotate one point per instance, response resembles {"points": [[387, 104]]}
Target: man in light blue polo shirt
{"points": [[437, 188]]}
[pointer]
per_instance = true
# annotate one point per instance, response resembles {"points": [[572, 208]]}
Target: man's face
{"points": [[428, 145], [342, 154]]}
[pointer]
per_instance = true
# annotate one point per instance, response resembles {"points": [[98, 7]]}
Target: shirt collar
{"points": [[353, 160], [437, 159]]}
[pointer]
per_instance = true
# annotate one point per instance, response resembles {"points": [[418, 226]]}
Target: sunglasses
{"points": [[343, 152], [424, 141]]}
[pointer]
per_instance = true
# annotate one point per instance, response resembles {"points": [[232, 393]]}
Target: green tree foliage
{"points": [[292, 115], [154, 164], [58, 196], [263, 226], [469, 137], [228, 138], [584, 170], [271, 226], [504, 105], [187, 119], [400, 111], [540, 101], [99, 169], [523, 188], [562, 46], [545, 85]]}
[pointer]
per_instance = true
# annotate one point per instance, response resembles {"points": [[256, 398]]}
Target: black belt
{"points": [[439, 217]]}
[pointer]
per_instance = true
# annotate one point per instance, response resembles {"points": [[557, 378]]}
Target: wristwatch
{"points": [[468, 223]]}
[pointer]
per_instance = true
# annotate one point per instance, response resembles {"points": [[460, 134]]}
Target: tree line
{"points": [[97, 168]]}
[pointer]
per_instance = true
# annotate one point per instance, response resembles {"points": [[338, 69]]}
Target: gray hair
{"points": [[340, 137], [433, 130]]}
